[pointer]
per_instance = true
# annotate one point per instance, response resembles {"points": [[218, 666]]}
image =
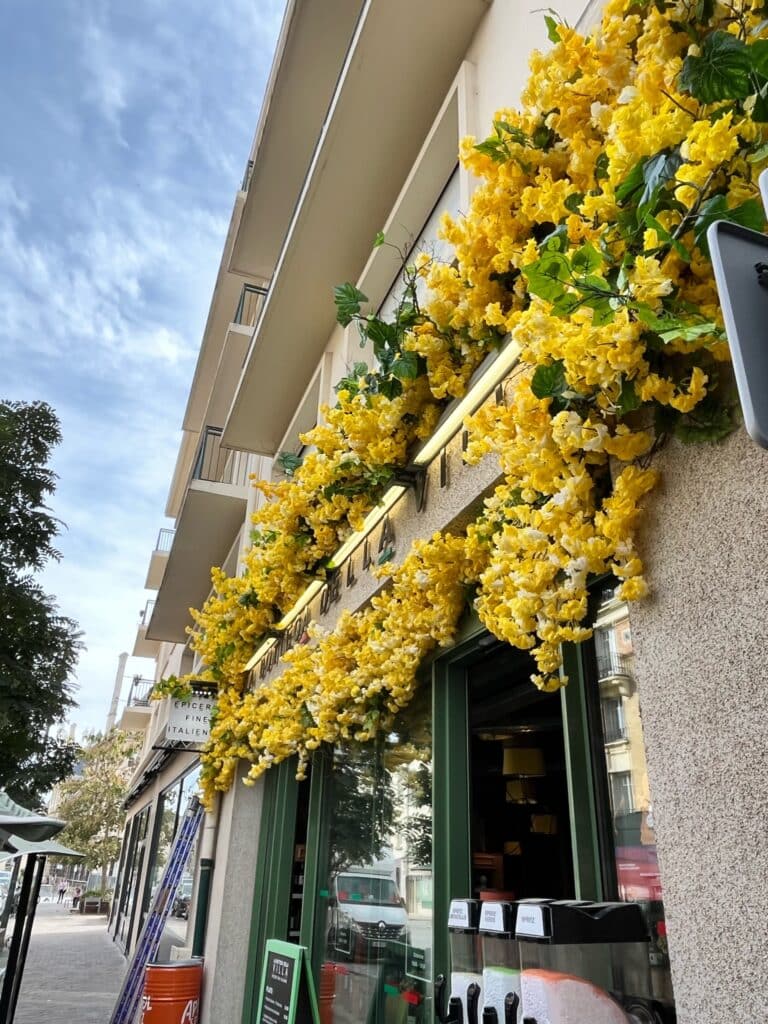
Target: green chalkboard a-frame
{"points": [[287, 991]]}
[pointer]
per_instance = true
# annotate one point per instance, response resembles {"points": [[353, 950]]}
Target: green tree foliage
{"points": [[38, 646], [92, 800]]}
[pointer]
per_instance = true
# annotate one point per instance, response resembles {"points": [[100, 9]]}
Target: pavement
{"points": [[73, 971]]}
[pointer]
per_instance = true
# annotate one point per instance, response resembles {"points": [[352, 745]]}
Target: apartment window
{"points": [[614, 728], [621, 793]]}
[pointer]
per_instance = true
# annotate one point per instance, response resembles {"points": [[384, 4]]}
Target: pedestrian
{"points": [[76, 898], [62, 891]]}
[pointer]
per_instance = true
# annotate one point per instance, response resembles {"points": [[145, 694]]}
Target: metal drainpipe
{"points": [[207, 850]]}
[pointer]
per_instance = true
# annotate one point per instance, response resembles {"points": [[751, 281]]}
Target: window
{"points": [[621, 793], [613, 719]]}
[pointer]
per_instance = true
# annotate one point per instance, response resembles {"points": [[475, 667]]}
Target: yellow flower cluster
{"points": [[584, 243]]}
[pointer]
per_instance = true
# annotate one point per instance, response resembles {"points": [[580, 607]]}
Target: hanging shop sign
{"points": [[189, 721], [287, 991]]}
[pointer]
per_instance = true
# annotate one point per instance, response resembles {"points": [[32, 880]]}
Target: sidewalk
{"points": [[73, 971]]}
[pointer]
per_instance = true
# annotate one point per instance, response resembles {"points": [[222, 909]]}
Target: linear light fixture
{"points": [[391, 496], [314, 588], [488, 376], [261, 650]]}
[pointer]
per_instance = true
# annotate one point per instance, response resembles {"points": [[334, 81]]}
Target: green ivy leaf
{"points": [[549, 381], [749, 214], [546, 277], [601, 167], [633, 182], [552, 33], [347, 298], [759, 155], [722, 72], [758, 53], [289, 462], [657, 171], [378, 240], [574, 201], [406, 366], [390, 387], [628, 399], [586, 259], [688, 332]]}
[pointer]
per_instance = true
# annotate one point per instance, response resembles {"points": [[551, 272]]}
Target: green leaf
{"points": [[688, 332], [657, 171], [759, 155], [406, 366], [709, 421], [494, 148], [549, 381], [378, 240], [601, 167], [347, 298], [555, 241], [722, 72], [546, 276], [289, 462], [758, 53], [574, 201], [749, 214], [628, 399], [586, 259], [704, 10], [390, 387], [633, 182], [379, 332], [665, 236], [552, 33]]}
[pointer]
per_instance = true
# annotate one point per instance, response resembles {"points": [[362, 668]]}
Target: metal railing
{"points": [[140, 693], [219, 465], [614, 726], [611, 663], [247, 176], [146, 613], [165, 539], [249, 305]]}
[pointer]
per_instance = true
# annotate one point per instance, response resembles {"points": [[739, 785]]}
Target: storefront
{"points": [[484, 788]]}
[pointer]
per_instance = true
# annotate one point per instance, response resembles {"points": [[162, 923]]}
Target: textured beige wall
{"points": [[701, 643]]}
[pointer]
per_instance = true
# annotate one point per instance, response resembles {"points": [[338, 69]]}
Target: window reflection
{"points": [[637, 866], [376, 919]]}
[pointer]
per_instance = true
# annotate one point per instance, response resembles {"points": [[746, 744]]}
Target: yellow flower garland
{"points": [[585, 242]]}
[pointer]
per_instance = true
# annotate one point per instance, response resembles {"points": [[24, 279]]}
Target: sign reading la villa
{"points": [[189, 721]]}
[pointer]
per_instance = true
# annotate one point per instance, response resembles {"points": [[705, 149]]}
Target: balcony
{"points": [[611, 665], [159, 559], [138, 707], [211, 515], [142, 647]]}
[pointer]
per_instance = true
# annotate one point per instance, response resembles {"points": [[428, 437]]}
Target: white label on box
{"points": [[458, 916], [492, 917], [530, 921]]}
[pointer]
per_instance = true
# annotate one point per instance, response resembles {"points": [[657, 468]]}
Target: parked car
{"points": [[366, 912]]}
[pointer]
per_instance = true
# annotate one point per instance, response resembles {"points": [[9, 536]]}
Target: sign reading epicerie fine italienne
{"points": [[189, 721]]}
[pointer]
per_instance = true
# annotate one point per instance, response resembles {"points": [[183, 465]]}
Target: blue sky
{"points": [[124, 132]]}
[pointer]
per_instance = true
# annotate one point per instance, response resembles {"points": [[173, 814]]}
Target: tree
{"points": [[38, 646], [92, 801]]}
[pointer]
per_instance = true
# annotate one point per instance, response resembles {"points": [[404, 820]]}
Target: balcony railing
{"points": [[146, 613], [140, 693], [164, 540], [247, 176], [610, 663], [249, 305], [219, 465]]}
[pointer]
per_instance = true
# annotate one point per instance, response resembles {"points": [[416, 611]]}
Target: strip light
{"points": [[485, 379], [261, 650]]}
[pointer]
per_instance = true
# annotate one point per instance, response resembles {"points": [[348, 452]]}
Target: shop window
{"points": [[131, 873], [629, 832], [375, 912]]}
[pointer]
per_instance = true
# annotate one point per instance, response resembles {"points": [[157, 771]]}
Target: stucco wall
{"points": [[700, 646]]}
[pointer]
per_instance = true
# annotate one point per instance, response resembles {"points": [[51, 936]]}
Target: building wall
{"points": [[231, 902], [700, 658]]}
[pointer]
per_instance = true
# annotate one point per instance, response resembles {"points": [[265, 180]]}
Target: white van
{"points": [[366, 912]]}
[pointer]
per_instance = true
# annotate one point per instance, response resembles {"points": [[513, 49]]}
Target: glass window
{"points": [[376, 918], [131, 874], [631, 808]]}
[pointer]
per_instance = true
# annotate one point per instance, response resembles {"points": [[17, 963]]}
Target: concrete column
{"points": [[701, 645], [231, 901], [112, 716]]}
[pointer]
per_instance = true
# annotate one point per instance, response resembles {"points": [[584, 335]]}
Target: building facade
{"points": [[639, 781]]}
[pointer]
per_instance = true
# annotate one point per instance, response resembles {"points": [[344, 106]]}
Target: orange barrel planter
{"points": [[172, 993]]}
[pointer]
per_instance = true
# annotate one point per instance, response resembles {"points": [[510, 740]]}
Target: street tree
{"points": [[91, 802], [38, 646]]}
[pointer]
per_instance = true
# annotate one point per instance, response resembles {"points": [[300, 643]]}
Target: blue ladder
{"points": [[128, 1000]]}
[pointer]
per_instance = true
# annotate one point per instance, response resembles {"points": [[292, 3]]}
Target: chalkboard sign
{"points": [[287, 992]]}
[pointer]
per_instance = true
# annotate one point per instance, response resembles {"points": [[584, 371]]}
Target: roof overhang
{"points": [[210, 518], [313, 40], [386, 101]]}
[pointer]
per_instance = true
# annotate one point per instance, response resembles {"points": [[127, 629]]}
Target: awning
{"points": [[26, 824], [48, 848]]}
